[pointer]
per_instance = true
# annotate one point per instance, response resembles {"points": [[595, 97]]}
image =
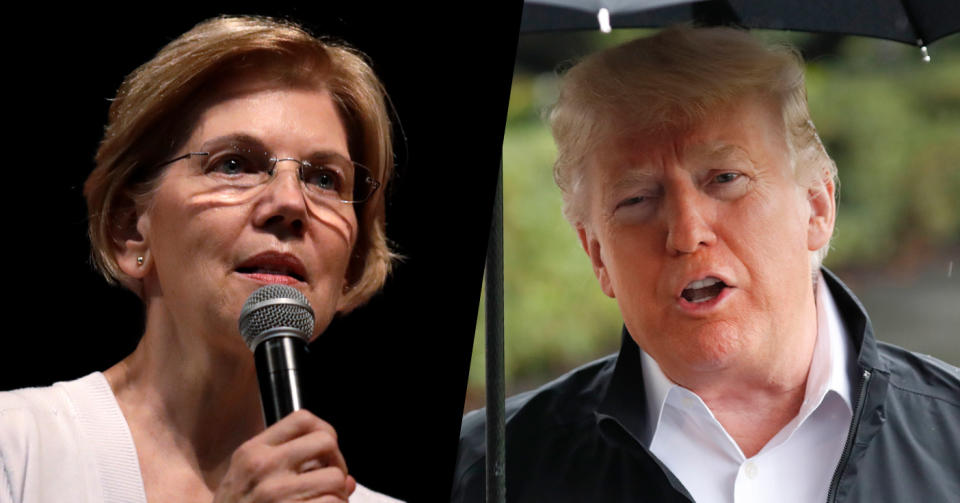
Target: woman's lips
{"points": [[271, 278], [273, 267]]}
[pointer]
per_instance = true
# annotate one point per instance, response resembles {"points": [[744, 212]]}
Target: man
{"points": [[699, 190]]}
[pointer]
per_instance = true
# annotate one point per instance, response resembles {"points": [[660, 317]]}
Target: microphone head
{"points": [[274, 310]]}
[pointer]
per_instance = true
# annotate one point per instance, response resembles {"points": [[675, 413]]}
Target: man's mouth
{"points": [[703, 290]]}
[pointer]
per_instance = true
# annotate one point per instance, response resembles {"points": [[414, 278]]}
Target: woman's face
{"points": [[209, 244]]}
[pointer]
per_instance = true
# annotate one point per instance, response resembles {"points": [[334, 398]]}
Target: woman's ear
{"points": [[347, 300], [132, 252]]}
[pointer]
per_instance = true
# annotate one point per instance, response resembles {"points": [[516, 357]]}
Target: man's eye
{"points": [[726, 177], [631, 201]]}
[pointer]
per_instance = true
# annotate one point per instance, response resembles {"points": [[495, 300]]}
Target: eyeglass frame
{"points": [[374, 183]]}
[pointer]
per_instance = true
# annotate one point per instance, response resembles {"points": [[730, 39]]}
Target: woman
{"points": [[247, 152]]}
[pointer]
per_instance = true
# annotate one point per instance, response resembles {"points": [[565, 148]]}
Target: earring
{"points": [[140, 260]]}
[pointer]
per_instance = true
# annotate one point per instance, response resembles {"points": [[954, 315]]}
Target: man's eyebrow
{"points": [[718, 150], [634, 176], [631, 179]]}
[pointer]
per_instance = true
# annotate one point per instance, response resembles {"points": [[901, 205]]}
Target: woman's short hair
{"points": [[155, 107], [671, 81]]}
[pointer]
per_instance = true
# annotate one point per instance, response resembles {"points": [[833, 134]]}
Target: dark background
{"points": [[390, 376]]}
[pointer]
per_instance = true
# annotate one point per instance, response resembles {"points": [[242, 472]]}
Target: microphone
{"points": [[276, 322]]}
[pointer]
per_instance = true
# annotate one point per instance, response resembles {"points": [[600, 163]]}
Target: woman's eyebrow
{"points": [[244, 139], [248, 140], [329, 154]]}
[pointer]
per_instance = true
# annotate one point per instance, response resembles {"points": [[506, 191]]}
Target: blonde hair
{"points": [[152, 115], [669, 82]]}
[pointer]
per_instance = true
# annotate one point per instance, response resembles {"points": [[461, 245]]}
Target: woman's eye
{"points": [[325, 179], [232, 165]]}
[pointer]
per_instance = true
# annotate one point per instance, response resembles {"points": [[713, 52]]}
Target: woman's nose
{"points": [[282, 207]]}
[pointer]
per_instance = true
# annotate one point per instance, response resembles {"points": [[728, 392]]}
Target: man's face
{"points": [[704, 239]]}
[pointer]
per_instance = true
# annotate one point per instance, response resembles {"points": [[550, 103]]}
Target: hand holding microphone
{"points": [[297, 457]]}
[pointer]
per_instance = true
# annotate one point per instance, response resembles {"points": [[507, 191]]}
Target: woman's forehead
{"points": [[238, 84], [276, 117]]}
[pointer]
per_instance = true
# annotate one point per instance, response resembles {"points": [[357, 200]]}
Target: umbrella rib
{"points": [[912, 20]]}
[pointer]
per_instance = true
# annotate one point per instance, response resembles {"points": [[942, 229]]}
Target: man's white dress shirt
{"points": [[796, 465]]}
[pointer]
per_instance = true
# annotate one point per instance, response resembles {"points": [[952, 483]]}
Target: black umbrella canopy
{"points": [[911, 21]]}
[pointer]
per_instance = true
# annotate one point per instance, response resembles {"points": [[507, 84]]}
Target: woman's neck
{"points": [[190, 400]]}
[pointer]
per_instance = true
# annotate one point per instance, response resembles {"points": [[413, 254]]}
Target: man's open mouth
{"points": [[703, 290]]}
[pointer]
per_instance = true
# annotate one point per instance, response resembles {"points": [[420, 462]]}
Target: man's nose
{"points": [[283, 204], [689, 221]]}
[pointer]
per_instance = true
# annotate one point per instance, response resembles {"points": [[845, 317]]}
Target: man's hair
{"points": [[157, 104], [672, 81]]}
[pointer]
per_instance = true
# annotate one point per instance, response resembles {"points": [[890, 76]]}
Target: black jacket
{"points": [[576, 438]]}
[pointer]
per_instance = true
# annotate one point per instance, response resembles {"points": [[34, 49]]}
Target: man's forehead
{"points": [[740, 130], [638, 157]]}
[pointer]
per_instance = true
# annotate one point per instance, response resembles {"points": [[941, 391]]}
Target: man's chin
{"points": [[704, 349]]}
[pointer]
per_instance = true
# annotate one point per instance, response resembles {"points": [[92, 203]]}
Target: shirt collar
{"points": [[830, 368], [623, 398], [833, 362]]}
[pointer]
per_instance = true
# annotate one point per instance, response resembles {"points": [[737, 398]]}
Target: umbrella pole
{"points": [[495, 473]]}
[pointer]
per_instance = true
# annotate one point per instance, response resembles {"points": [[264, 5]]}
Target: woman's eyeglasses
{"points": [[239, 164]]}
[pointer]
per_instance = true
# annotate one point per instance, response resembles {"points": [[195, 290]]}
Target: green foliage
{"points": [[892, 124], [550, 294]]}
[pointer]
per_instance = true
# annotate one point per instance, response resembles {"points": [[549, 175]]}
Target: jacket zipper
{"points": [[851, 435]]}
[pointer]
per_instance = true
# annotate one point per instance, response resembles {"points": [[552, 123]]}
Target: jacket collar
{"points": [[625, 396], [856, 321], [625, 401]]}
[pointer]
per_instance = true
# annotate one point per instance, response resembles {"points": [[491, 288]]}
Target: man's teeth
{"points": [[703, 290], [703, 283]]}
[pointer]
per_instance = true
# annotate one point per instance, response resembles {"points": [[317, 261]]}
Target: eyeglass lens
{"points": [[246, 164]]}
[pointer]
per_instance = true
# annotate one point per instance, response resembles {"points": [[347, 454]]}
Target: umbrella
{"points": [[912, 22], [909, 21]]}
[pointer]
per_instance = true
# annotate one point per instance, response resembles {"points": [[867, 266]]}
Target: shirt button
{"points": [[750, 470]]}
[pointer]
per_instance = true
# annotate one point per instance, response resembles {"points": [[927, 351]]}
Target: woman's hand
{"points": [[296, 459]]}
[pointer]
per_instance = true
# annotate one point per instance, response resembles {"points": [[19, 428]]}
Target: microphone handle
{"points": [[278, 360]]}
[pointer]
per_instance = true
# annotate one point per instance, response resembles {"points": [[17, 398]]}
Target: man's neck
{"points": [[754, 400]]}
